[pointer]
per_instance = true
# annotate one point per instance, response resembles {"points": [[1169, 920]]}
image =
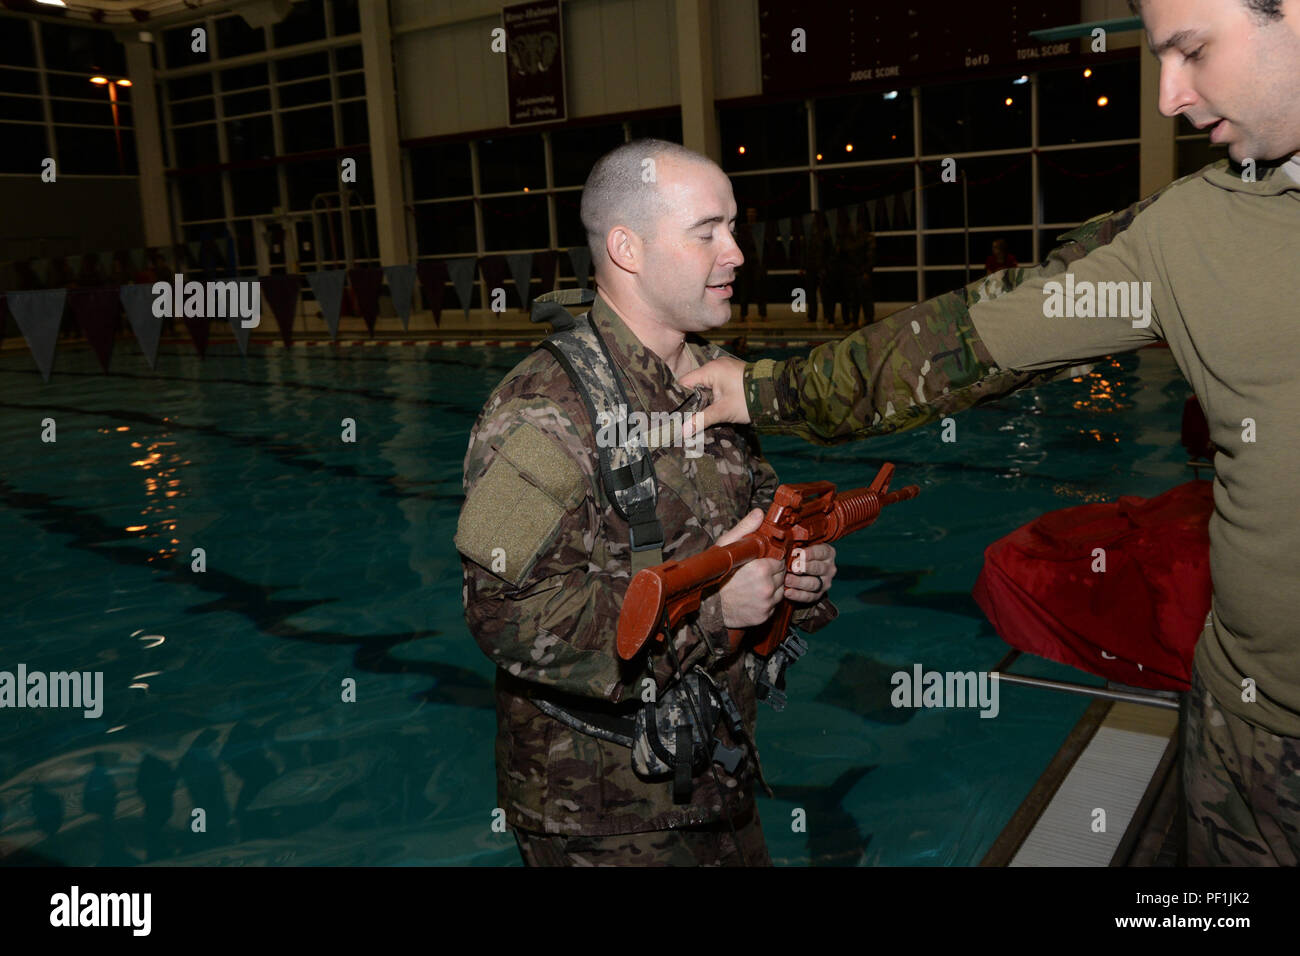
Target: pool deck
{"points": [[480, 328]]}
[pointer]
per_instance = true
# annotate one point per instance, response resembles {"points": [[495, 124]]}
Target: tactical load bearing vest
{"points": [[675, 733]]}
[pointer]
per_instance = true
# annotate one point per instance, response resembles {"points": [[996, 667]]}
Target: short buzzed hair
{"points": [[619, 192], [1263, 10]]}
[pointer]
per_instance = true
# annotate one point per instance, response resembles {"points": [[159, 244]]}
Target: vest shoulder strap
{"points": [[626, 471]]}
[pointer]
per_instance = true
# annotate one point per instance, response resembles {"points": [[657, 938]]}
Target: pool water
{"points": [[330, 562]]}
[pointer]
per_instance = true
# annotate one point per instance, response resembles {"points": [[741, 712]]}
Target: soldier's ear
{"points": [[624, 248]]}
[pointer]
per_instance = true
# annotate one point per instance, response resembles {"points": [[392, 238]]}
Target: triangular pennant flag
{"points": [[195, 258], [38, 315], [908, 198], [461, 272], [521, 270], [871, 213], [783, 234], [4, 318], [899, 211], [281, 294], [580, 258], [137, 300], [96, 313], [806, 220], [833, 219], [760, 233], [199, 328], [366, 281], [887, 211], [327, 287], [433, 279], [401, 286], [242, 335], [493, 270], [544, 270]]}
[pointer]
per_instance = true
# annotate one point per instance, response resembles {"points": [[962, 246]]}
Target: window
{"points": [[81, 49], [515, 222], [845, 187], [770, 135], [302, 67], [178, 47], [1082, 183], [24, 148], [250, 138], [508, 164], [445, 228], [999, 190], [242, 77], [196, 145], [304, 94], [1069, 104], [236, 38], [254, 191], [307, 130], [305, 22], [16, 47], [974, 115], [575, 151], [441, 170], [874, 126], [355, 124], [774, 195], [347, 18], [667, 127]]}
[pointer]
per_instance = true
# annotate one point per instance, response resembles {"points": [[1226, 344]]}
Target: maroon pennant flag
{"points": [[96, 312], [493, 270], [544, 269], [366, 282], [282, 293], [199, 328], [433, 279]]}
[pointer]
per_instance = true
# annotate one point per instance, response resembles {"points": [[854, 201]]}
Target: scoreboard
{"points": [[881, 43]]}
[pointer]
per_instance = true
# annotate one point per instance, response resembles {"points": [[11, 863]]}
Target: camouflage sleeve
{"points": [[535, 602], [807, 617], [925, 362]]}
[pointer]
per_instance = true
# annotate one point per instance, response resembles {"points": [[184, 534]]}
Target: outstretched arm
{"points": [[942, 355]]}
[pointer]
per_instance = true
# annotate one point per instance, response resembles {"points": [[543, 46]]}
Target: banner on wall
{"points": [[534, 63]]}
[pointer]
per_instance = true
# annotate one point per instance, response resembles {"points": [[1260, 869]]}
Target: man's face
{"points": [[693, 250], [1228, 72]]}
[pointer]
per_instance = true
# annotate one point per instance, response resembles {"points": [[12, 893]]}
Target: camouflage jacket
{"points": [[546, 563], [915, 366]]}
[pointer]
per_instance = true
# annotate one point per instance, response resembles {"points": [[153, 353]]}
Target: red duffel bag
{"points": [[1137, 621]]}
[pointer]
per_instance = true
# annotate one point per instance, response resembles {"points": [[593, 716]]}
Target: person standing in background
{"points": [[818, 254], [999, 258]]}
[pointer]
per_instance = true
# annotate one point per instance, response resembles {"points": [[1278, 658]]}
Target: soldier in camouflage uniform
{"points": [[546, 555], [1213, 254]]}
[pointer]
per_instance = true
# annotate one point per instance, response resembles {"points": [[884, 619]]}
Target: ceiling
{"points": [[114, 12]]}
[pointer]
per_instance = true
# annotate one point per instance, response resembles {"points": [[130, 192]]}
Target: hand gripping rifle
{"points": [[801, 515]]}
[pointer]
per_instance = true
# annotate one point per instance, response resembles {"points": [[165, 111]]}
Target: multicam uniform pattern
{"points": [[547, 615], [1242, 787]]}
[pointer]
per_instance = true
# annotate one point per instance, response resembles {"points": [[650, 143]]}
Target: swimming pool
{"points": [[329, 560]]}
